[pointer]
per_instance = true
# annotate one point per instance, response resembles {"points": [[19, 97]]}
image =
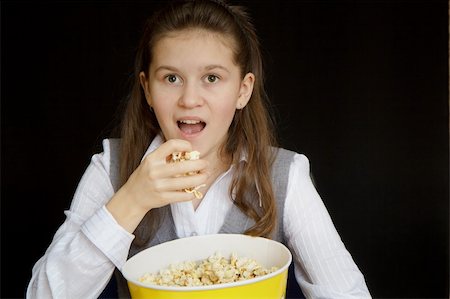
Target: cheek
{"points": [[227, 100], [225, 112], [161, 101], [160, 107], [163, 109]]}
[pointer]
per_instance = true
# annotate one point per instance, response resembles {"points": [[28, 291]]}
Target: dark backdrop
{"points": [[360, 87]]}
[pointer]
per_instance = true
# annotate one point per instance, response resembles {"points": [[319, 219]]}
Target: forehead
{"points": [[194, 45]]}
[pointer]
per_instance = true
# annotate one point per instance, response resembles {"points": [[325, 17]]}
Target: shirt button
{"points": [[193, 234]]}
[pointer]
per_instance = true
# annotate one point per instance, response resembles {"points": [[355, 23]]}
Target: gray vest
{"points": [[235, 222]]}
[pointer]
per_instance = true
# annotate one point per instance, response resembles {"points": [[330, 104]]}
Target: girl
{"points": [[198, 86]]}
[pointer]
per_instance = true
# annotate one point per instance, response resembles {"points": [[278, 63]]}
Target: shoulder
{"points": [[107, 161], [110, 145], [295, 159], [108, 155]]}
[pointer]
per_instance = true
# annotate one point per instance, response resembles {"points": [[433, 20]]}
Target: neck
{"points": [[217, 166]]}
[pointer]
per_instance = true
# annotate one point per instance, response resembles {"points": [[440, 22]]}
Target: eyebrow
{"points": [[216, 66], [166, 67], [206, 68]]}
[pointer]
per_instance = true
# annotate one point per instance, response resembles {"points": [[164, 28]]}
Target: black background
{"points": [[360, 87]]}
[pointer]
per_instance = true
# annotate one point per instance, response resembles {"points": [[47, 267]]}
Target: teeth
{"points": [[190, 122]]}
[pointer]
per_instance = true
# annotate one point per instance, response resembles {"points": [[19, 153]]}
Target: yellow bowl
{"points": [[266, 252]]}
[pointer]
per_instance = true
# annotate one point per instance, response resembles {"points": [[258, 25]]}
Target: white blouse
{"points": [[90, 243]]}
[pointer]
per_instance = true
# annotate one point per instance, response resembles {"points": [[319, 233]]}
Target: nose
{"points": [[190, 96]]}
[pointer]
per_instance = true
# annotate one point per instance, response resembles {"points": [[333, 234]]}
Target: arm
{"points": [[89, 244], [97, 233], [323, 266]]}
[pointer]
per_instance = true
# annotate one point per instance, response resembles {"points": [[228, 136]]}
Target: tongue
{"points": [[191, 128]]}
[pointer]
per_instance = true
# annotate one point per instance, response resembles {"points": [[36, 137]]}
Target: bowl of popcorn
{"points": [[223, 266]]}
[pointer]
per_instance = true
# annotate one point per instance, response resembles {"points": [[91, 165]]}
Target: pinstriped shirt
{"points": [[90, 244]]}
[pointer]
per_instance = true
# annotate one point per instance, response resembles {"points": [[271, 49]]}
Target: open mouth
{"points": [[189, 126]]}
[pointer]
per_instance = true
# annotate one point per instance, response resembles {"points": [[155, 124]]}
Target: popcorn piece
{"points": [[183, 156]]}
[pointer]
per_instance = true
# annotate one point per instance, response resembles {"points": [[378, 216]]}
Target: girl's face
{"points": [[194, 88]]}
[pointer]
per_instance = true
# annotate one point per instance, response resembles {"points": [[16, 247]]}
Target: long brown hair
{"points": [[251, 131]]}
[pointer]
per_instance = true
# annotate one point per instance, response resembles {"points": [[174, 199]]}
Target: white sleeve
{"points": [[88, 245], [323, 266]]}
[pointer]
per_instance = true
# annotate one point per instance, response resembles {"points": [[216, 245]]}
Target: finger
{"points": [[181, 183], [170, 146], [183, 168], [178, 196]]}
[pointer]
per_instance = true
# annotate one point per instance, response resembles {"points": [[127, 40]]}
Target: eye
{"points": [[212, 78], [172, 79]]}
